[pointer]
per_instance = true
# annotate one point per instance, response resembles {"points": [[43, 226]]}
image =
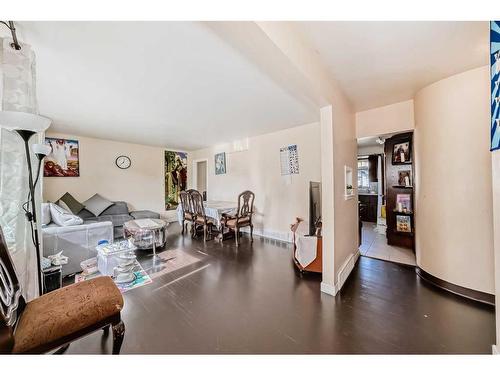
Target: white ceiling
{"points": [[171, 84], [380, 63]]}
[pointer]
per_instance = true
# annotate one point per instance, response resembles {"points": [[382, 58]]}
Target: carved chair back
{"points": [[197, 202], [11, 300], [185, 199], [245, 204]]}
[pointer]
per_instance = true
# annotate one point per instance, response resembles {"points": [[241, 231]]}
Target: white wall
{"points": [[370, 150], [388, 119], [278, 199], [454, 227], [495, 161], [141, 185]]}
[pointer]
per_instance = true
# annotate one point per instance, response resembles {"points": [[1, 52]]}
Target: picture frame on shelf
{"points": [[403, 203], [401, 153], [404, 178], [403, 224]]}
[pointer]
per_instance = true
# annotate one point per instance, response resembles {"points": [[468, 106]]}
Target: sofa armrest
{"points": [[77, 242]]}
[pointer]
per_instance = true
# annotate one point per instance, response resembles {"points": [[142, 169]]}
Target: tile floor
{"points": [[374, 245]]}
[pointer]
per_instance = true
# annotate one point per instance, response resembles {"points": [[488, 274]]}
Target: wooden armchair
{"points": [[55, 319], [200, 219], [187, 208], [243, 217]]}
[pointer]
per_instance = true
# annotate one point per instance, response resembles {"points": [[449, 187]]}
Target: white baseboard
{"points": [[271, 234], [328, 289], [494, 350], [344, 273], [346, 270]]}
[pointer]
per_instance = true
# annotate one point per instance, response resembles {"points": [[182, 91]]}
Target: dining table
{"points": [[214, 210]]}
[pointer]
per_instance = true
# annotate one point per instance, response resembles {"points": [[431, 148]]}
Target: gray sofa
{"points": [[118, 214]]}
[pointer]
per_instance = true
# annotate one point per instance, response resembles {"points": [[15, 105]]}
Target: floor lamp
{"points": [[40, 151]]}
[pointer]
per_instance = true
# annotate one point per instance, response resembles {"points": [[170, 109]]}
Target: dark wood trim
{"points": [[456, 289]]}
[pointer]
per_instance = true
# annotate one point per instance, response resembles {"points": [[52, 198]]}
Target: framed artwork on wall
{"points": [[64, 158], [220, 163], [289, 160], [175, 177], [401, 153], [495, 84]]}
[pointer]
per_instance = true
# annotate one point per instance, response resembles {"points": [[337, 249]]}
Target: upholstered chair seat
{"points": [[231, 223], [56, 316]]}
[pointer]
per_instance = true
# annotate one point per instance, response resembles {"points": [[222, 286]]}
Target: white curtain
{"points": [[13, 193], [18, 95]]}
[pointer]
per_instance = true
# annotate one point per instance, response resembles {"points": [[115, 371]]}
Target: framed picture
{"points": [[403, 223], [175, 177], [401, 153], [220, 163], [63, 160], [403, 203], [404, 178]]}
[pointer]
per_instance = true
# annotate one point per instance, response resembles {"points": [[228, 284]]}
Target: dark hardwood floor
{"points": [[251, 300]]}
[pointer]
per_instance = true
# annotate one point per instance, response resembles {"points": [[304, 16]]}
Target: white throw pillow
{"points": [[46, 217], [62, 217]]}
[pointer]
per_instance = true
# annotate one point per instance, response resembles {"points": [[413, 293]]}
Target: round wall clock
{"points": [[123, 162]]}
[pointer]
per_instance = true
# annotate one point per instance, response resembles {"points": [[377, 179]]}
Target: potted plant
{"points": [[348, 189]]}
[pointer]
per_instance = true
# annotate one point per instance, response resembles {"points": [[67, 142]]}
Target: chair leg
{"points": [[204, 232], [251, 232], [118, 333], [183, 222], [236, 235]]}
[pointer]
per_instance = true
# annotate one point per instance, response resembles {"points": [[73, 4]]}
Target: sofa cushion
{"points": [[86, 215], [66, 311], [97, 204], [117, 220], [118, 208], [62, 217], [74, 206]]}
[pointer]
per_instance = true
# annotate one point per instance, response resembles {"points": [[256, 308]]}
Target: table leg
{"points": [[153, 235]]}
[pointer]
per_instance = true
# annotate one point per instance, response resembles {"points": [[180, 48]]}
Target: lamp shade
{"points": [[41, 149], [18, 104]]}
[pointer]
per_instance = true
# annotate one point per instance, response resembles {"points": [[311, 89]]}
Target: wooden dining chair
{"points": [[243, 217], [200, 219], [187, 208], [55, 319]]}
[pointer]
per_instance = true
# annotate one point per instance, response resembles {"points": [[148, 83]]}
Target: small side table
{"points": [[52, 278]]}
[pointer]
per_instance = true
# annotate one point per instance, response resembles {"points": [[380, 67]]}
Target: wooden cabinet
{"points": [[368, 207]]}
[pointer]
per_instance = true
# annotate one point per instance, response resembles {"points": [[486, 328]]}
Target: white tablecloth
{"points": [[214, 210]]}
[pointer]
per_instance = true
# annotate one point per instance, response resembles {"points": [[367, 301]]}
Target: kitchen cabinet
{"points": [[368, 207]]}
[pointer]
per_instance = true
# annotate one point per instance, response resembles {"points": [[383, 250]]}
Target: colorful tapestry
{"points": [[495, 81], [63, 160], [175, 177]]}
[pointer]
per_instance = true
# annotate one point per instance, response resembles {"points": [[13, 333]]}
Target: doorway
{"points": [[382, 199], [201, 177]]}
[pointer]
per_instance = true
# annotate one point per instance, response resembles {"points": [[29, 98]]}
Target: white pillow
{"points": [[45, 210], [62, 217]]}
